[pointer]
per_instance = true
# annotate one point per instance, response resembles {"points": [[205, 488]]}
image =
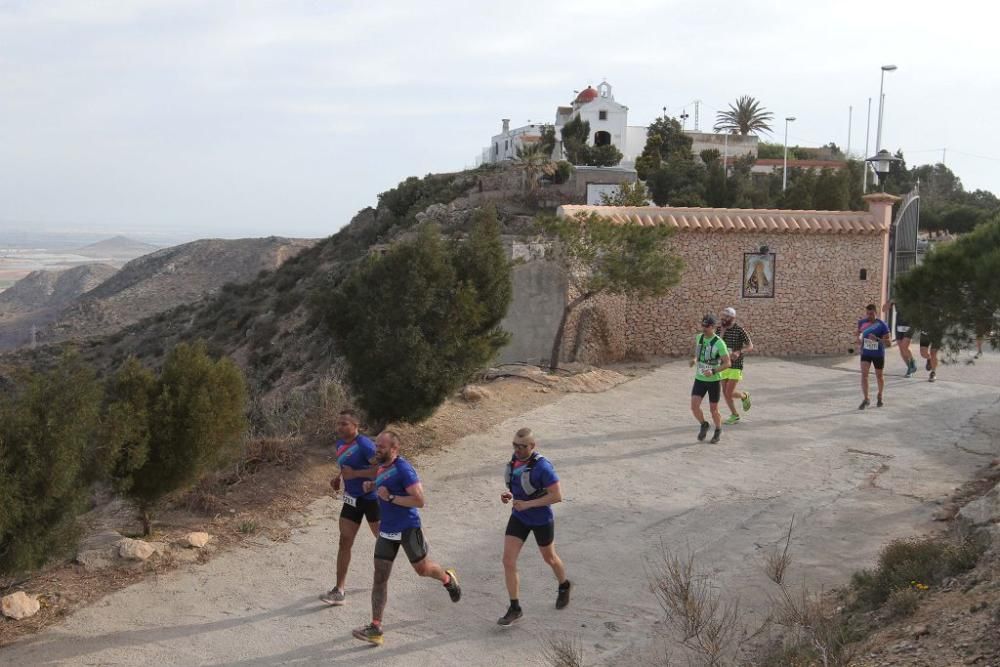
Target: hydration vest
{"points": [[708, 346], [526, 484]]}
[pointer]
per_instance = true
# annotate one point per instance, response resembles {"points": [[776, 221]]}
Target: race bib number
{"points": [[705, 369], [395, 537], [350, 500], [902, 328], [870, 344]]}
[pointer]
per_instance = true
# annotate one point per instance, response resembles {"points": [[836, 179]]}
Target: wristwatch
{"points": [[391, 499]]}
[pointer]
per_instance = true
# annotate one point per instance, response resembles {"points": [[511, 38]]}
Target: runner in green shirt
{"points": [[711, 357]]}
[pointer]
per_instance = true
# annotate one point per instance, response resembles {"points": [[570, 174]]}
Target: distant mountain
{"points": [[168, 278], [116, 247], [48, 289]]}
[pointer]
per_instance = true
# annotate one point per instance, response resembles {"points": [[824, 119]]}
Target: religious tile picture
{"points": [[758, 275]]}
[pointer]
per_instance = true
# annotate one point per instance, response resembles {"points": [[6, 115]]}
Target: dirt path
{"points": [[633, 476]]}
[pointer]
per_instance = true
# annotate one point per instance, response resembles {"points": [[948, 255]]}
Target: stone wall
{"points": [[535, 311], [732, 145], [818, 298]]}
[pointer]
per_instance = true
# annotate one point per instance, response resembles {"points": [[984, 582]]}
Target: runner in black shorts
{"points": [[711, 357], [929, 351], [904, 334], [354, 455], [873, 338], [532, 489], [400, 494]]}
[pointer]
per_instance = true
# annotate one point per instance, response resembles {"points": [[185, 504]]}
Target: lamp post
{"points": [[784, 169], [882, 163], [881, 101]]}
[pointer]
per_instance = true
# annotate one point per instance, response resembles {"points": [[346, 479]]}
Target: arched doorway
{"points": [[602, 138]]}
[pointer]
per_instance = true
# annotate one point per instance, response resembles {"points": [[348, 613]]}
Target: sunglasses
{"points": [[520, 446]]}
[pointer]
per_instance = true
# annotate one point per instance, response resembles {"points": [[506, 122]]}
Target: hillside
{"points": [[116, 247], [266, 324], [48, 289], [143, 288], [168, 278]]}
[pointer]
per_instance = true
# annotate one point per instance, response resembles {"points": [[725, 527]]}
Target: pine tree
{"points": [[197, 423], [415, 324], [47, 430]]}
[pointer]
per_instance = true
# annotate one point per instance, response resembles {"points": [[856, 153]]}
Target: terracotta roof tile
{"points": [[738, 220], [778, 162]]}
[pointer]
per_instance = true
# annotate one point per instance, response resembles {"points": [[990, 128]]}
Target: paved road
{"points": [[634, 478]]}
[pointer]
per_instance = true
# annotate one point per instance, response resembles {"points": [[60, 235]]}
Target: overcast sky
{"points": [[195, 118]]}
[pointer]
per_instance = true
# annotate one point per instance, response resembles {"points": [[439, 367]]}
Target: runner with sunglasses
{"points": [[532, 487]]}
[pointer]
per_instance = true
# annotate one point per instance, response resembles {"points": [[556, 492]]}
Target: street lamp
{"points": [[882, 162], [784, 169], [881, 100]]}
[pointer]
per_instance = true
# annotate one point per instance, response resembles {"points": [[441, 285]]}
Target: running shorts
{"points": [[877, 362], [544, 535], [711, 387], [732, 374], [412, 540], [904, 332], [925, 341], [356, 509]]}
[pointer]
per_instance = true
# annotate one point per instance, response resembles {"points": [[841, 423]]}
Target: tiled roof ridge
{"points": [[780, 211], [738, 219]]}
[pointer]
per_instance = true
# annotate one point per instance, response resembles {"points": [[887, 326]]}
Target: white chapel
{"points": [[608, 125]]}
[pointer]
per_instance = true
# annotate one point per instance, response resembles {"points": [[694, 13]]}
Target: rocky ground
{"points": [[958, 624]]}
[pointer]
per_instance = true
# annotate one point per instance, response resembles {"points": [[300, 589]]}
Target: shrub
{"points": [[902, 603], [47, 428], [417, 322], [563, 171], [196, 424], [125, 425], [607, 155], [904, 563]]}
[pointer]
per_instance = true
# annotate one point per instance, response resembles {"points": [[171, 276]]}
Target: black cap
{"points": [[708, 321]]}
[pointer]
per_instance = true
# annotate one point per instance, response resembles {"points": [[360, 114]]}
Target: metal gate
{"points": [[903, 237]]}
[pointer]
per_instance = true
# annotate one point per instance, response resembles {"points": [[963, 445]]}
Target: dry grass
{"points": [[775, 562], [562, 651], [711, 626], [813, 633], [902, 603]]}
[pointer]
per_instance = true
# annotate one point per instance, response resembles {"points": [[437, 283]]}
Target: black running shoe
{"points": [[703, 431], [454, 590], [511, 617], [879, 403], [933, 376], [716, 437], [864, 404], [563, 598]]}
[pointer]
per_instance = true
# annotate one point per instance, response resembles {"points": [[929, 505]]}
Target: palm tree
{"points": [[534, 161], [746, 117]]}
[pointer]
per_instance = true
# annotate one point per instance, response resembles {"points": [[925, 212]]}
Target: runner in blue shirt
{"points": [[532, 489], [400, 494], [873, 335], [354, 455]]}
